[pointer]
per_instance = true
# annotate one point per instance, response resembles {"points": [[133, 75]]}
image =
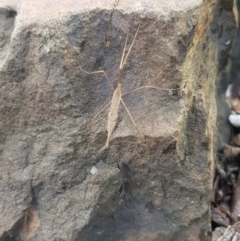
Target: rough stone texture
{"points": [[151, 188]]}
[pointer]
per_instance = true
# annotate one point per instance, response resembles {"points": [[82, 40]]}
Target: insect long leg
{"points": [[104, 107], [121, 67], [110, 83], [148, 87], [124, 49], [129, 114], [98, 72]]}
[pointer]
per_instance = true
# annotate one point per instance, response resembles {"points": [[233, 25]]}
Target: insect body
{"points": [[117, 94]]}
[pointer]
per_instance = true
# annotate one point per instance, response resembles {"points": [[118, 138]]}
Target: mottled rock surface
{"points": [[154, 187]]}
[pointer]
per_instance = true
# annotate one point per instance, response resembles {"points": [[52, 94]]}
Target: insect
{"points": [[117, 99]]}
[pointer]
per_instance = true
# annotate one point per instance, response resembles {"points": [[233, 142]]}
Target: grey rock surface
{"points": [[154, 187]]}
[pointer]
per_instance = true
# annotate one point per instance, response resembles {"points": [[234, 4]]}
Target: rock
{"points": [[217, 233], [220, 218], [236, 140], [93, 170], [235, 120], [229, 235], [236, 200], [154, 187]]}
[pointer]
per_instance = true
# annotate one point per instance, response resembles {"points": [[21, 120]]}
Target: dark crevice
{"points": [[226, 196], [13, 233]]}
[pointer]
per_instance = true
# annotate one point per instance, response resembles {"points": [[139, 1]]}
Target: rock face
{"points": [[151, 184]]}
